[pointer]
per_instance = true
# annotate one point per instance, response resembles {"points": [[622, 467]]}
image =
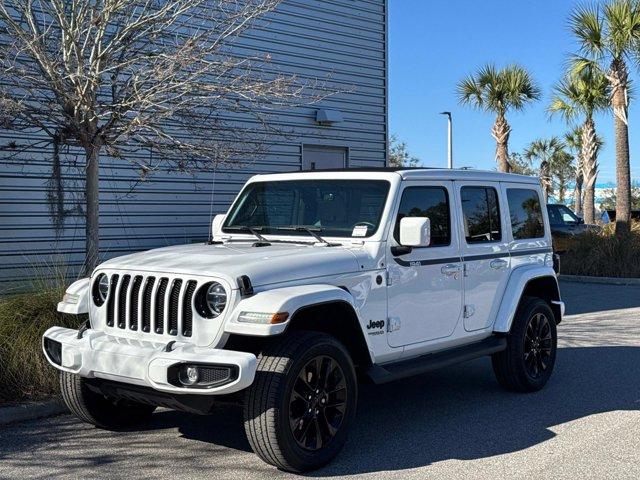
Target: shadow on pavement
{"points": [[456, 413], [583, 298]]}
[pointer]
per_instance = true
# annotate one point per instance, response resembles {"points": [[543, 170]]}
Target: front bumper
{"points": [[144, 363]]}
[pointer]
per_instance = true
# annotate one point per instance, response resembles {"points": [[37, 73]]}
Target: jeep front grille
{"points": [[151, 304]]}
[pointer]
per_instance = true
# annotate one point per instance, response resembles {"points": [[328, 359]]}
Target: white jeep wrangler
{"points": [[311, 282]]}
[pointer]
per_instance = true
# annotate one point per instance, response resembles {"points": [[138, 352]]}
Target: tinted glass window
{"points": [[432, 202], [335, 208], [525, 213], [481, 214], [561, 215]]}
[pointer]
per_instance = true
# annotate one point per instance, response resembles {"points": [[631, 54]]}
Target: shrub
{"points": [[24, 371], [603, 254]]}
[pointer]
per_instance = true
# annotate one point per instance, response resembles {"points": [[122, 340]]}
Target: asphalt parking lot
{"points": [[454, 423]]}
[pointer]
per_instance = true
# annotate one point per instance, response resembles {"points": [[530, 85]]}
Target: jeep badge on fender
{"points": [[285, 302]]}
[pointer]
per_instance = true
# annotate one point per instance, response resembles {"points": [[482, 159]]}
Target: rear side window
{"points": [[525, 213], [432, 202], [481, 214]]}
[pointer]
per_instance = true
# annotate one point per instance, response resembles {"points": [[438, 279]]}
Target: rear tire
{"points": [[528, 361], [96, 409], [301, 405]]}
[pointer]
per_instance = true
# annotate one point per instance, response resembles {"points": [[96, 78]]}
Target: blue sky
{"points": [[433, 44]]}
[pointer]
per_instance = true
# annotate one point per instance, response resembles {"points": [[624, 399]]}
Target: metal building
{"points": [[41, 219]]}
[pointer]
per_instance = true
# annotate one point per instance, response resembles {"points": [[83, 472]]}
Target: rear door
{"points": [[484, 249]]}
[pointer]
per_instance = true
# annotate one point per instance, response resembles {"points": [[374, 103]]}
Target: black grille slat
{"points": [[187, 312], [143, 299], [160, 296], [111, 301], [174, 298], [146, 304], [133, 306], [122, 301]]}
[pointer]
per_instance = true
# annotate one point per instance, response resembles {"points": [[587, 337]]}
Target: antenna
{"points": [[213, 187]]}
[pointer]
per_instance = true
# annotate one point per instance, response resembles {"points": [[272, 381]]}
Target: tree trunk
{"points": [[589, 202], [589, 168], [500, 132], [92, 220], [577, 192], [545, 180], [619, 102]]}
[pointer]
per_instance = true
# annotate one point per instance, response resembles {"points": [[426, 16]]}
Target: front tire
{"points": [[528, 361], [96, 409], [302, 402]]}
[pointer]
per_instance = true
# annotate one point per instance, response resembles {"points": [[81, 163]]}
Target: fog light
{"points": [[189, 375]]}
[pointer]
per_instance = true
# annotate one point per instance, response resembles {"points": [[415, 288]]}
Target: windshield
{"points": [[560, 214], [334, 208]]}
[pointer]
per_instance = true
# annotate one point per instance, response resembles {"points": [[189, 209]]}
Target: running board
{"points": [[432, 361]]}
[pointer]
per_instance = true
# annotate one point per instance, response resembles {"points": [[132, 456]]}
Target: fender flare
{"points": [[284, 299], [80, 289], [516, 285]]}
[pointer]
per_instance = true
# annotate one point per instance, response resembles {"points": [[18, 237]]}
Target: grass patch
{"points": [[24, 371], [603, 254]]}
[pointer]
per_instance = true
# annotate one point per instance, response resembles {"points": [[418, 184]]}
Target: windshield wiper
{"points": [[253, 231], [311, 231]]}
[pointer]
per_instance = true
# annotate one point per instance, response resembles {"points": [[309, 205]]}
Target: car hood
{"points": [[277, 263]]}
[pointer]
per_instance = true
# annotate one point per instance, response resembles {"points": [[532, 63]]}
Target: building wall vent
{"points": [[328, 117]]}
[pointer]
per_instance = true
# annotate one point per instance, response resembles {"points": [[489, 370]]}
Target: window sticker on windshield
{"points": [[359, 231]]}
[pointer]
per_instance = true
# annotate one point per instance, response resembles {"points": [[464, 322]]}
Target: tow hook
{"points": [[169, 346], [85, 326]]}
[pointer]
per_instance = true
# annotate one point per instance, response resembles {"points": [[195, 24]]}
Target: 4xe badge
{"points": [[375, 327]]}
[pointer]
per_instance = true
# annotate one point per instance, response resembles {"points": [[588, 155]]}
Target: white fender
{"points": [[279, 300], [515, 286], [76, 298]]}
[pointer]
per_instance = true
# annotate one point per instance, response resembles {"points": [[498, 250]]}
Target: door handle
{"points": [[498, 263], [451, 269]]}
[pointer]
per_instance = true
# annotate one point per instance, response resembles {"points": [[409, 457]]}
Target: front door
{"points": [[425, 284], [485, 250]]}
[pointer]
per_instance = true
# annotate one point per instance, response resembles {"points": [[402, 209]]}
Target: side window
{"points": [[481, 214], [432, 202], [525, 213]]}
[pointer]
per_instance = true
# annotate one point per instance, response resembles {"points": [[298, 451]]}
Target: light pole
{"points": [[449, 140]]}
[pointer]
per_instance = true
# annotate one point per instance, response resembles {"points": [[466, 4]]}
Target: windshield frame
{"points": [[305, 236]]}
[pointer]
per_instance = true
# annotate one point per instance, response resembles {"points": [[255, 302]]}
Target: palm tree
{"points": [[548, 152], [573, 141], [498, 91], [583, 92], [608, 37], [562, 171]]}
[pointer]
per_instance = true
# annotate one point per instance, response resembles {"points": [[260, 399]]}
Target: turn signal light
{"points": [[263, 317]]}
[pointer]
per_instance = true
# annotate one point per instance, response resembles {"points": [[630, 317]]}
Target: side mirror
{"points": [[216, 224], [415, 232]]}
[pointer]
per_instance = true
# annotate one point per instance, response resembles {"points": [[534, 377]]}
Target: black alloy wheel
{"points": [[317, 403], [538, 345]]}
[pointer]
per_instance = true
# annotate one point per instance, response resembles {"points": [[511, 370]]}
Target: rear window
{"points": [[481, 214], [525, 213]]}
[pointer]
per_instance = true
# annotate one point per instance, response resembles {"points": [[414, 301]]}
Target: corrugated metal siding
{"points": [[342, 40]]}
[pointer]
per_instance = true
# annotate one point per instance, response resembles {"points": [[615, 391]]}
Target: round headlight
{"points": [[211, 300], [101, 289], [216, 298]]}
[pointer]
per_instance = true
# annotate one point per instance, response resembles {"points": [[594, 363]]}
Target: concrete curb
{"points": [[31, 410], [602, 280]]}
